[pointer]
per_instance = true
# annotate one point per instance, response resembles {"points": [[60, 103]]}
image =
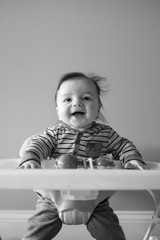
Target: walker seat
{"points": [[74, 206]]}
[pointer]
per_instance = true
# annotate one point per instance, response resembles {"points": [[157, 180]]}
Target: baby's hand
{"points": [[30, 164], [134, 164]]}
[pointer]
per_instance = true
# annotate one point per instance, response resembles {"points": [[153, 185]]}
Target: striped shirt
{"points": [[98, 140]]}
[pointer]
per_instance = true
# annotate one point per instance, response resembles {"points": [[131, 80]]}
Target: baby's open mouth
{"points": [[76, 114]]}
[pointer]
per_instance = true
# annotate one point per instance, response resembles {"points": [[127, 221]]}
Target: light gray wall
{"points": [[40, 40]]}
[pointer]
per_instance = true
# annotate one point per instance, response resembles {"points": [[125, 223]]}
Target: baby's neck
{"points": [[79, 129]]}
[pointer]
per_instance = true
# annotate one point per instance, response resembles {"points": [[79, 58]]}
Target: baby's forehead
{"points": [[78, 83]]}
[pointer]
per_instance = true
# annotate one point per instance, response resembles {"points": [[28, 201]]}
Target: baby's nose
{"points": [[77, 103]]}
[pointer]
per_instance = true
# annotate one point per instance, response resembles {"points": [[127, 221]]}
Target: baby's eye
{"points": [[86, 98], [67, 100]]}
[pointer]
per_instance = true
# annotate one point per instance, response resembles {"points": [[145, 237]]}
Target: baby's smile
{"points": [[78, 114]]}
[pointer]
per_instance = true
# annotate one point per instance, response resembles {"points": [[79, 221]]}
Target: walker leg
{"points": [[149, 231], [156, 218]]}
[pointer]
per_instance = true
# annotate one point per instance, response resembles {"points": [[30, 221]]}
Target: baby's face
{"points": [[77, 103]]}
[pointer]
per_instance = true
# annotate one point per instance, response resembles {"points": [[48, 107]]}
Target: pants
{"points": [[45, 223]]}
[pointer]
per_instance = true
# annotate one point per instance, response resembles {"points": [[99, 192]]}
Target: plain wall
{"points": [[42, 39]]}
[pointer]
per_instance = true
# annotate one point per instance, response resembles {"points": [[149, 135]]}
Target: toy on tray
{"points": [[104, 162], [66, 161], [69, 161]]}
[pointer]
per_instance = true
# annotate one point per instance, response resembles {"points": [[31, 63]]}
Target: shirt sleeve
{"points": [[122, 149], [38, 147]]}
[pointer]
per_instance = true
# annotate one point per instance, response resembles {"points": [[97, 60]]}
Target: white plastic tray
{"points": [[116, 179]]}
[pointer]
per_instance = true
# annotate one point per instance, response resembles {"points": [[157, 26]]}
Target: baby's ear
{"points": [[57, 112], [57, 109]]}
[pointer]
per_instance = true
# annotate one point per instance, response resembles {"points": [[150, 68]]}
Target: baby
{"points": [[80, 134]]}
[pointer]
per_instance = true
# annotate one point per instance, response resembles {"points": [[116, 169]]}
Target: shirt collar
{"points": [[62, 124]]}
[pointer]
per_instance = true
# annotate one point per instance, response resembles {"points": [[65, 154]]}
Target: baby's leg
{"points": [[45, 223], [104, 224]]}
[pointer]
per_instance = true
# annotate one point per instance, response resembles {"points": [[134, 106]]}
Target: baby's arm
{"points": [[124, 150], [35, 149]]}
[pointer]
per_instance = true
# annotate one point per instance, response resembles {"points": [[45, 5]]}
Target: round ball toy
{"points": [[104, 162], [66, 161]]}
